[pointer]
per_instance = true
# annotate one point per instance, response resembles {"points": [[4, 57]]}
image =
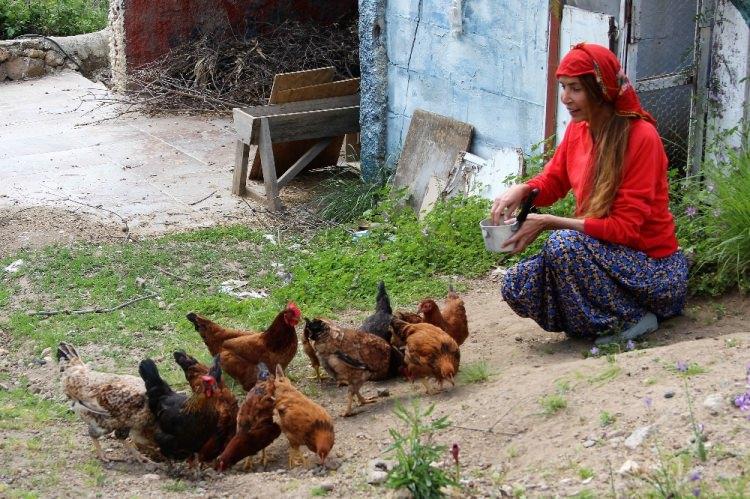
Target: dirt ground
{"points": [[509, 446]]}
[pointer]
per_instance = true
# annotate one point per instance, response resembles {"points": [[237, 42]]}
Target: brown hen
{"points": [[452, 319], [303, 421], [429, 352]]}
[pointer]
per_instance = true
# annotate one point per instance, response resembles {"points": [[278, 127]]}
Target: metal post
{"points": [[704, 28]]}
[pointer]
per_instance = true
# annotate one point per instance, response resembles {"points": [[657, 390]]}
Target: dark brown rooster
{"points": [[256, 429], [241, 351]]}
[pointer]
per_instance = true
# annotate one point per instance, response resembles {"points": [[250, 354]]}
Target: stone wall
{"points": [[30, 58], [35, 57]]}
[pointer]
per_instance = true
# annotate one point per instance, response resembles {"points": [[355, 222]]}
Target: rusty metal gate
{"points": [[667, 58]]}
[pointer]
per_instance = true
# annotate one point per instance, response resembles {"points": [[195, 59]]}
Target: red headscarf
{"points": [[589, 58]]}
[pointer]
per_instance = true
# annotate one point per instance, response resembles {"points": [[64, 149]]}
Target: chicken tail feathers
{"points": [[155, 386], [395, 362], [383, 302], [66, 352], [451, 292], [315, 329], [351, 361], [215, 370]]}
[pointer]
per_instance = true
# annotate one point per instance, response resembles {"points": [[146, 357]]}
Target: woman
{"points": [[614, 270]]}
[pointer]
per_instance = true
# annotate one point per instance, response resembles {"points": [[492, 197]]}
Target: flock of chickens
{"points": [[209, 426]]}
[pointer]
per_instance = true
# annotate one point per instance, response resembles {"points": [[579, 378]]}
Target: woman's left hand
{"points": [[529, 231]]}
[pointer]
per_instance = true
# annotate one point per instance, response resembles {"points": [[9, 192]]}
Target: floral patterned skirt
{"points": [[587, 287]]}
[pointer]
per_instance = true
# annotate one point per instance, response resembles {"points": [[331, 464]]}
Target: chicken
{"points": [[430, 352], [379, 323], [350, 356], [452, 319], [303, 421], [310, 352], [256, 429], [225, 403], [241, 352], [108, 403], [183, 424]]}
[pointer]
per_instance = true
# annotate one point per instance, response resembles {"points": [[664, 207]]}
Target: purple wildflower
{"points": [[455, 449], [695, 476], [691, 211], [594, 351], [697, 492], [681, 366], [743, 401], [648, 401], [630, 345]]}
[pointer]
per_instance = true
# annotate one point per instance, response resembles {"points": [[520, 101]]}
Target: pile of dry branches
{"points": [[215, 73]]}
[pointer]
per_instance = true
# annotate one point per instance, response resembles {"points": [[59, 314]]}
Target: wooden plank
{"points": [[247, 129], [303, 161], [430, 149], [287, 155], [267, 164], [285, 81], [314, 124], [320, 91], [300, 107], [239, 179]]}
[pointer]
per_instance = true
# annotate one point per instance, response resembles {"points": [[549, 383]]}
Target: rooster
{"points": [[351, 356], [108, 403], [225, 405], [303, 421], [183, 424], [241, 352], [379, 323], [430, 352], [452, 319], [256, 429]]}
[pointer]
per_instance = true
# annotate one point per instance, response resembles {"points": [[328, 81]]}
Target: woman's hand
{"points": [[508, 202], [529, 231]]}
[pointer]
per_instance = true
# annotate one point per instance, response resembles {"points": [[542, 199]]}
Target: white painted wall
{"points": [[492, 75], [730, 71], [578, 26]]}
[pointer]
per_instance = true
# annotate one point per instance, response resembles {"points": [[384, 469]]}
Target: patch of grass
{"points": [[606, 418], [586, 494], [513, 452], [585, 473], [95, 472], [474, 372], [562, 386], [606, 375], [330, 272], [20, 409], [176, 486], [318, 491], [553, 403], [690, 369]]}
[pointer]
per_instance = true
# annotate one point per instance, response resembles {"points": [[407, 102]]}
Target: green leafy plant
{"points": [[474, 372], [553, 403], [52, 17], [415, 449], [606, 418]]}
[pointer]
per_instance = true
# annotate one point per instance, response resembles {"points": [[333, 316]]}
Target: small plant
{"points": [[553, 403], [52, 17], [606, 418], [318, 491], [685, 368], [742, 401], [176, 486], [474, 372], [585, 473], [607, 374], [700, 447], [415, 450]]}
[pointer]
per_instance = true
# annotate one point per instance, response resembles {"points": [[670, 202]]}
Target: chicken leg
{"points": [[99, 451], [296, 458]]}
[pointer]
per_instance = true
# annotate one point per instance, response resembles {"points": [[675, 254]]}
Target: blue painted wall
{"points": [[492, 76]]}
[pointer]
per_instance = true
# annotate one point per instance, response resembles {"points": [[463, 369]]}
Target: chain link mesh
{"points": [[666, 36]]}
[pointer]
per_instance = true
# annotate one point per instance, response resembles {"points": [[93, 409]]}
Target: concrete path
{"points": [[159, 174]]}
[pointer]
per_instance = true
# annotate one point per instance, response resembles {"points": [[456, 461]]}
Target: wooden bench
{"points": [[263, 126]]}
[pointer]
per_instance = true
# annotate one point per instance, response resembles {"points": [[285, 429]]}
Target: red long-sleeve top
{"points": [[639, 217]]}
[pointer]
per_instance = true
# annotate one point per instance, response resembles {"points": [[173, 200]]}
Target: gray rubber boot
{"points": [[647, 324]]}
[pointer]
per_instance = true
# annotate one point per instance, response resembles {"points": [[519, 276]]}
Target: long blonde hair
{"points": [[611, 142]]}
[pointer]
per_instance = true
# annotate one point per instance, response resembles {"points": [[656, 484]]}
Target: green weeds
{"points": [[474, 372], [52, 17], [415, 449]]}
